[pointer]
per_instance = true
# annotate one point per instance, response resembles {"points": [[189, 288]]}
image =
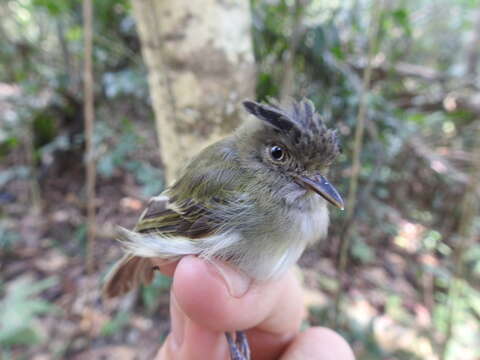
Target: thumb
{"points": [[189, 340]]}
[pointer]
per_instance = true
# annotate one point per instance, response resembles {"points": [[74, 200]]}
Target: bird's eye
{"points": [[277, 153]]}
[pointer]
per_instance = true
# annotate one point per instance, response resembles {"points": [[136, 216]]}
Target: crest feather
{"points": [[303, 125], [271, 114]]}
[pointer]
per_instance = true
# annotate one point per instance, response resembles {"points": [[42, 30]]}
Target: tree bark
{"points": [[201, 66]]}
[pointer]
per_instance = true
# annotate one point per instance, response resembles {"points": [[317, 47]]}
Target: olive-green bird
{"points": [[255, 199]]}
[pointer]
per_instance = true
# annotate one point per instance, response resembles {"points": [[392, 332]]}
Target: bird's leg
{"points": [[239, 349], [242, 342], [235, 353]]}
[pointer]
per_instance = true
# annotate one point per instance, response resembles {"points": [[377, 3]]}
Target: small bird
{"points": [[254, 199]]}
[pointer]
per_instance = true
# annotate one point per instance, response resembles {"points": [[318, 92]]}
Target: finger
{"points": [[268, 346], [318, 344], [189, 341], [217, 297]]}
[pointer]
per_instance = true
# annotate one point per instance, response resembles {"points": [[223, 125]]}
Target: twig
{"points": [[403, 69], [473, 51], [437, 162], [362, 113], [287, 85], [34, 185], [64, 47], [466, 235], [357, 150], [89, 122]]}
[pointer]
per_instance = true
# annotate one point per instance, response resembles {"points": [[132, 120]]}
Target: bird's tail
{"points": [[135, 268], [128, 273]]}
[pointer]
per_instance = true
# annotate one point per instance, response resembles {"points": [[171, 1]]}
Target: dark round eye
{"points": [[277, 153]]}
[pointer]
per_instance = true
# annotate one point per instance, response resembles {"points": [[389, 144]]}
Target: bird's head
{"points": [[292, 144]]}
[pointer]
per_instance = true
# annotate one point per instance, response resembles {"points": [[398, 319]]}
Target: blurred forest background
{"points": [[399, 275]]}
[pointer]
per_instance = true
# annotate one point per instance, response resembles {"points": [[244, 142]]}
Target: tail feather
{"points": [[127, 274], [135, 267]]}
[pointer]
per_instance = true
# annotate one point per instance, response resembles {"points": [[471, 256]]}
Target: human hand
{"points": [[211, 298]]}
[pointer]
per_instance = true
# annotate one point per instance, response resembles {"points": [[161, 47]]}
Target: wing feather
{"points": [[186, 218]]}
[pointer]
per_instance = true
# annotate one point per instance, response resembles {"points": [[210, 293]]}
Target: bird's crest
{"points": [[303, 125]]}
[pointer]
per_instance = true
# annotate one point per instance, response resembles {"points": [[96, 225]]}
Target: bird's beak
{"points": [[322, 187]]}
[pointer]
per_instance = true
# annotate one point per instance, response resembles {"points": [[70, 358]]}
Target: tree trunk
{"points": [[200, 63]]}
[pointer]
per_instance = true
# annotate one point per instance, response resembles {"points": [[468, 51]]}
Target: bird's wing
{"points": [[169, 219], [188, 218], [202, 203], [208, 197]]}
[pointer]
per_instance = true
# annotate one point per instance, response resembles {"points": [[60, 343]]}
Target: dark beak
{"points": [[322, 187]]}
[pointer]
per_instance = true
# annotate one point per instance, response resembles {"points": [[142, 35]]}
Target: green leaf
{"points": [[75, 33], [161, 284], [362, 251], [116, 324], [54, 7], [20, 307]]}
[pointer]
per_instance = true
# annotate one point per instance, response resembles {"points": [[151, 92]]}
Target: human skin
{"points": [[209, 298]]}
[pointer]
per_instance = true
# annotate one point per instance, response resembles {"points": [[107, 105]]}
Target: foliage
{"points": [[46, 71], [19, 308], [117, 148], [150, 294], [116, 324], [7, 236]]}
